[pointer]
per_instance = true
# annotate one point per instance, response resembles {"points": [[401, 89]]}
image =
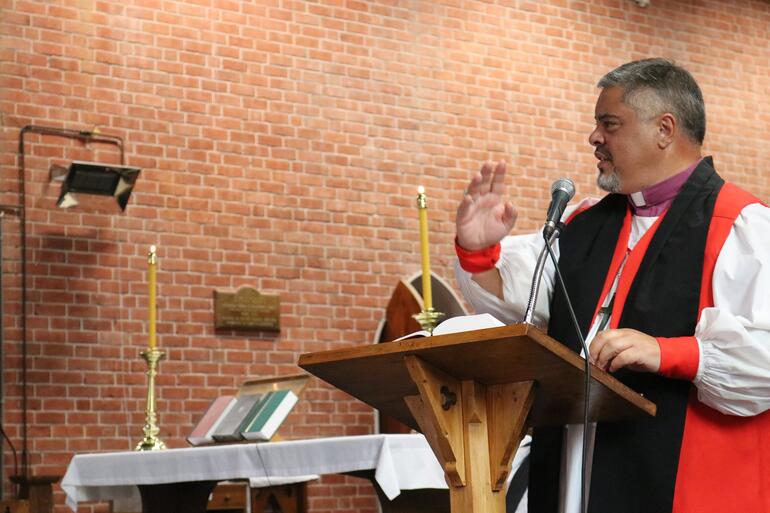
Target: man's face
{"points": [[624, 143]]}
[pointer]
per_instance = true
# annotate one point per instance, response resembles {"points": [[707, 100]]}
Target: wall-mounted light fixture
{"points": [[98, 179], [125, 176]]}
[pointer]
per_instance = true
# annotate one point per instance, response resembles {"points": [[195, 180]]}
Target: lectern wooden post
{"points": [[473, 395]]}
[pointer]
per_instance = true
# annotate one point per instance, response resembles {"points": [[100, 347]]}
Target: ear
{"points": [[666, 130]]}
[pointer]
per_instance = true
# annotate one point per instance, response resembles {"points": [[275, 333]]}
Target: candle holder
{"points": [[151, 442], [428, 319]]}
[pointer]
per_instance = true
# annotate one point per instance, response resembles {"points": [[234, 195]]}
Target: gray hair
{"points": [[654, 86]]}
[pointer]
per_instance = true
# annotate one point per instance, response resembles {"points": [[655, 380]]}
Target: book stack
{"points": [[254, 417]]}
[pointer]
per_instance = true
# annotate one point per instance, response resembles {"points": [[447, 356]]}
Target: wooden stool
{"points": [[229, 496], [233, 497], [289, 498]]}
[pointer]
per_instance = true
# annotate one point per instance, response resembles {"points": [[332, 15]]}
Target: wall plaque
{"points": [[247, 309]]}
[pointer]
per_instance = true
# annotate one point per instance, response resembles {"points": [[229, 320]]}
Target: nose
{"points": [[596, 138]]}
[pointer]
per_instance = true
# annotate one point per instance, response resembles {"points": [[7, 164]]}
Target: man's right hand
{"points": [[485, 216]]}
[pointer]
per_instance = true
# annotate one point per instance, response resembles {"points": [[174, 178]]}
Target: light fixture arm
{"points": [[85, 136]]}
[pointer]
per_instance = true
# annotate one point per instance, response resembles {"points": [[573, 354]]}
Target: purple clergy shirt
{"points": [[654, 200]]}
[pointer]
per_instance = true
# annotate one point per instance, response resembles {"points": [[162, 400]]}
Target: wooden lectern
{"points": [[473, 395]]}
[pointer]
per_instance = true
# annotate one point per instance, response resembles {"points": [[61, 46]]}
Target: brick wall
{"points": [[281, 144]]}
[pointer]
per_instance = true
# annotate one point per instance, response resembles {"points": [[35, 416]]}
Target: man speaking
{"points": [[669, 279]]}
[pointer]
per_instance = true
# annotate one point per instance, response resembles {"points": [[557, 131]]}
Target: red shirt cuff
{"points": [[679, 357], [477, 261]]}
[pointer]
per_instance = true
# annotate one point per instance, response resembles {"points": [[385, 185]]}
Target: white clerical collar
{"points": [[637, 198]]}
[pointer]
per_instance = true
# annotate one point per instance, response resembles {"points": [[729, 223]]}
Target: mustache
{"points": [[601, 153]]}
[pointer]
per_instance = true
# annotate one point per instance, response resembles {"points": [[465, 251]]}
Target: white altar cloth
{"points": [[400, 462]]}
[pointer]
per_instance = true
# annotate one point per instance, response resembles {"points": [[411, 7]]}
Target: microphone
{"points": [[562, 190]]}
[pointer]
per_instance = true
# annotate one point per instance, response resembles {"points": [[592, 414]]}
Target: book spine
{"points": [[210, 433], [253, 412], [278, 416], [214, 412], [270, 416], [228, 429], [269, 408]]}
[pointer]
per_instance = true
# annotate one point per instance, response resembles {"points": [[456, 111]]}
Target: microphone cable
{"points": [[587, 368]]}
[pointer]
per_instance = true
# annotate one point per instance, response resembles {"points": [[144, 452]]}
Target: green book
{"points": [[274, 408]]}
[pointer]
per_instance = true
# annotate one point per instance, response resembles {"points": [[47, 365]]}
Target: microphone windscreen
{"points": [[564, 184]]}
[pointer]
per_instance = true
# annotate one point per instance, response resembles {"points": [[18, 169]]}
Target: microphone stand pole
{"points": [[538, 275]]}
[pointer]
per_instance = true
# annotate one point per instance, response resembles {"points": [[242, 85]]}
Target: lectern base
{"points": [[473, 429]]}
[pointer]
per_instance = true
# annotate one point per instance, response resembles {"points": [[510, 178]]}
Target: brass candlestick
{"points": [[428, 319], [151, 442], [152, 356]]}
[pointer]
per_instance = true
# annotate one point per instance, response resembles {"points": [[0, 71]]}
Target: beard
{"points": [[608, 182]]}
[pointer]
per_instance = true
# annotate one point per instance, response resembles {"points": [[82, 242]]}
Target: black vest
{"points": [[635, 462]]}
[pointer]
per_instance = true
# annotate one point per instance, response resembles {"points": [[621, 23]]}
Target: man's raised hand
{"points": [[485, 216]]}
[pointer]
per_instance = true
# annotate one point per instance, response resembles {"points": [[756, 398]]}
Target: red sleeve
{"points": [[478, 261], [679, 357]]}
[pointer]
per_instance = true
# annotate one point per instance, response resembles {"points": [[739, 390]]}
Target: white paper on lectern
{"points": [[458, 324]]}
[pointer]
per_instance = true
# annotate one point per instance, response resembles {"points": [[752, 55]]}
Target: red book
{"points": [[218, 408]]}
